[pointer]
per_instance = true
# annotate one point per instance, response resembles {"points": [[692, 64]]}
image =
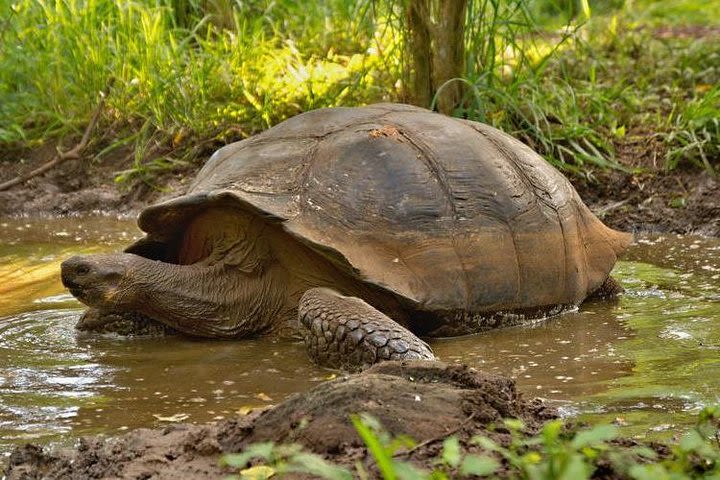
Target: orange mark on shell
{"points": [[385, 131]]}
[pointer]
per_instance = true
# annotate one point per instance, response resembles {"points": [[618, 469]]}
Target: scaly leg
{"points": [[347, 333]]}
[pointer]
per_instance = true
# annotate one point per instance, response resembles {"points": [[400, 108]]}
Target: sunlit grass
{"points": [[174, 86], [570, 84], [677, 12]]}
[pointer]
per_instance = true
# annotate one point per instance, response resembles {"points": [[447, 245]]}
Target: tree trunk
{"points": [[420, 52], [436, 48], [449, 54]]}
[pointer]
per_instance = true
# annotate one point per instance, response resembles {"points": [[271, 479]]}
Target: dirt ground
{"points": [[426, 400], [79, 187], [685, 202], [647, 198]]}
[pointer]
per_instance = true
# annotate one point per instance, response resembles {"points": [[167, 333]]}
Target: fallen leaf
{"points": [[263, 397], [260, 472], [244, 410], [178, 417]]}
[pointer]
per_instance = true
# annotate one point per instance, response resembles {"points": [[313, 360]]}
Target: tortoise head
{"points": [[101, 281], [210, 276]]}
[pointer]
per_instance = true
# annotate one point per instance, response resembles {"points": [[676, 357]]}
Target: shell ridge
{"points": [[428, 159], [304, 176], [583, 241], [516, 258], [512, 156], [566, 244]]}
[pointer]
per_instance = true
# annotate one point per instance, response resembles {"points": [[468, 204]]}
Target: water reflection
{"points": [[561, 358], [201, 380], [646, 361]]}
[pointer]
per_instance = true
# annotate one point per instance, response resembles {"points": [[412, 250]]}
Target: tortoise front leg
{"points": [[345, 332]]}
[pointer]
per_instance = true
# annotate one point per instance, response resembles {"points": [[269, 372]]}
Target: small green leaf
{"points": [[259, 472], [691, 441], [576, 469], [407, 471], [485, 443], [645, 452], [531, 458], [451, 451], [477, 465], [256, 450], [318, 466], [678, 202], [599, 434], [551, 431], [648, 472], [514, 424]]}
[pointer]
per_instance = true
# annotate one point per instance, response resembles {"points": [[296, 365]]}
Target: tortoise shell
{"points": [[447, 214]]}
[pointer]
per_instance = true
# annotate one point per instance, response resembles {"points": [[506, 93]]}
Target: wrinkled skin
{"points": [[194, 299]]}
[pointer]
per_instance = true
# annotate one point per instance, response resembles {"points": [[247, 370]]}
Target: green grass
{"points": [[676, 12], [175, 87], [573, 83]]}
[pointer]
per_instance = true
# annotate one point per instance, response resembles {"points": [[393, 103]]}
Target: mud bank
{"points": [[425, 400], [677, 202]]}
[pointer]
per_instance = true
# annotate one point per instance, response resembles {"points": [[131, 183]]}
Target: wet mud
{"points": [[426, 400]]}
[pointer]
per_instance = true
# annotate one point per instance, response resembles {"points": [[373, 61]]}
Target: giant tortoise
{"points": [[360, 228]]}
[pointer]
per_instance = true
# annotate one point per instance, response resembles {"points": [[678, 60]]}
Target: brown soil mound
{"points": [[426, 400], [677, 202]]}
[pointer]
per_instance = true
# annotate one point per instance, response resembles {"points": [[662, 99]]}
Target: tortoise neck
{"points": [[211, 301]]}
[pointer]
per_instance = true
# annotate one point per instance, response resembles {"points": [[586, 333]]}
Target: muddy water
{"points": [[647, 361]]}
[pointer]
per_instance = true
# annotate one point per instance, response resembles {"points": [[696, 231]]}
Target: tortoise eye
{"points": [[82, 270]]}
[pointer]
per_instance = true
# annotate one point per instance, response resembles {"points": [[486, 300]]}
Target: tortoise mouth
{"points": [[80, 292], [75, 288]]}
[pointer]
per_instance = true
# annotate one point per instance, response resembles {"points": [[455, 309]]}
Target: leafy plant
{"points": [[696, 455], [281, 459], [555, 453], [552, 454], [696, 136]]}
